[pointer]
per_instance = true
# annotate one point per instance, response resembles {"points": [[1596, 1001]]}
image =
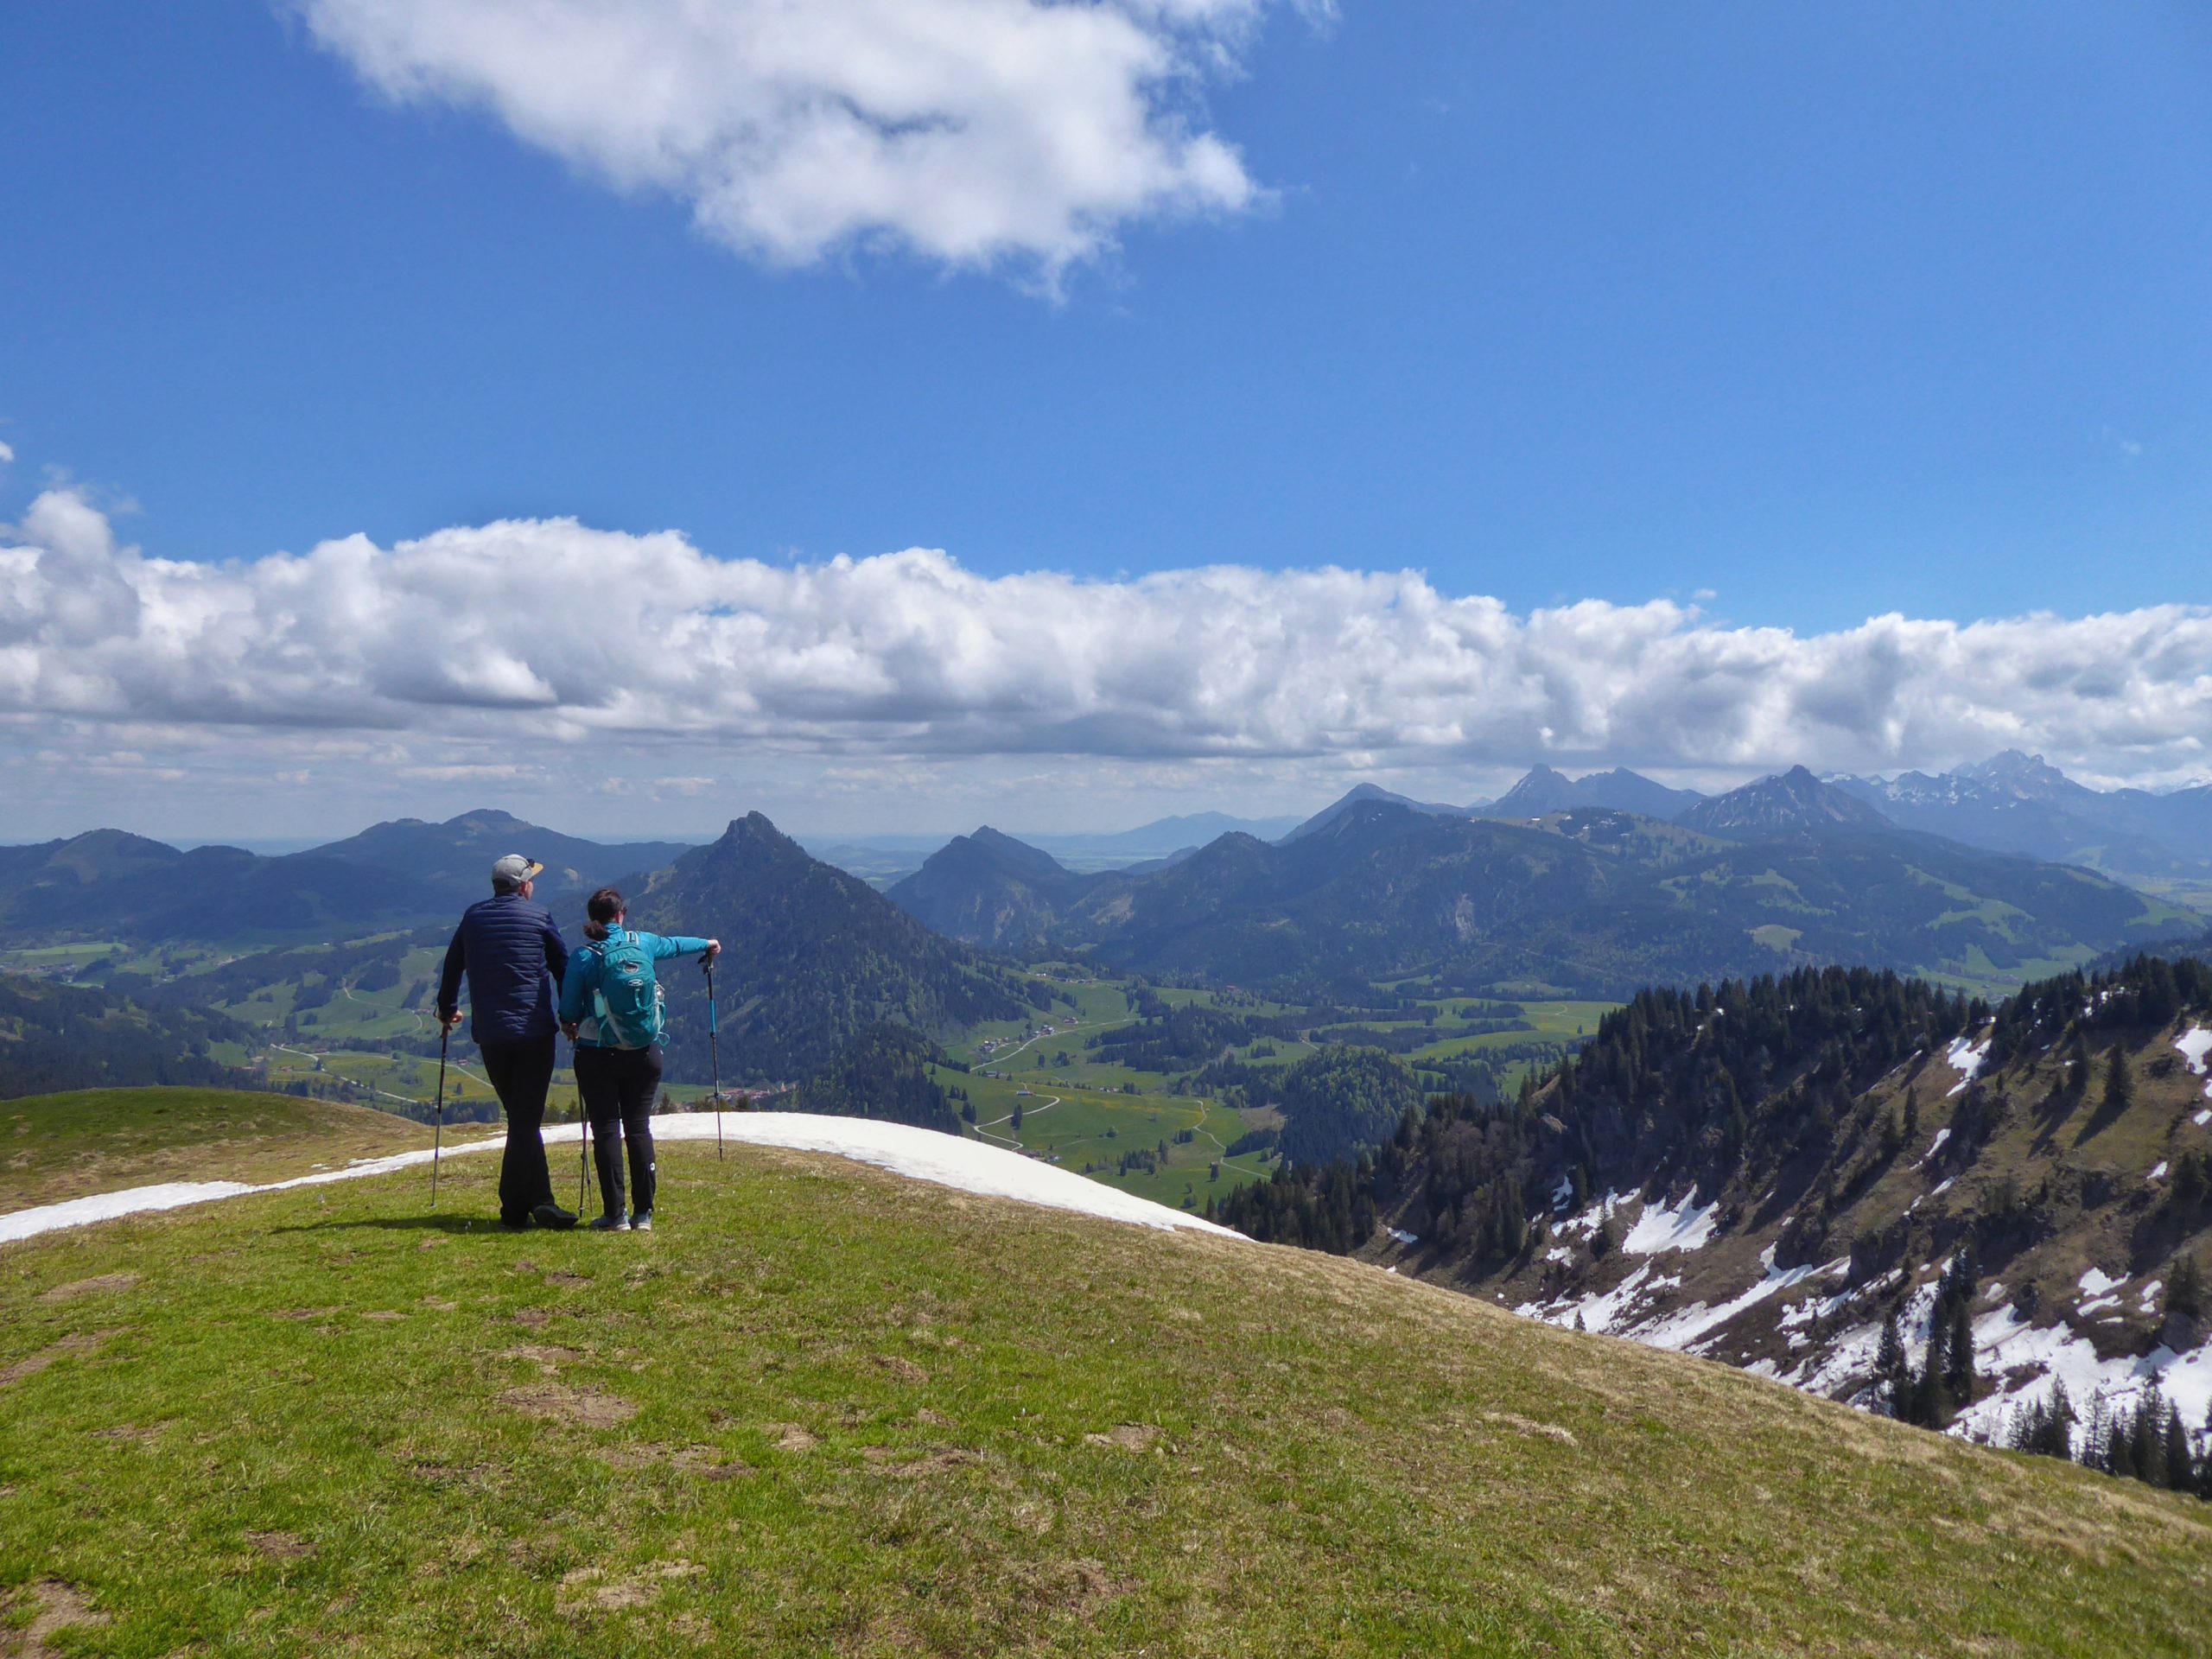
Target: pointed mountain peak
{"points": [[1359, 794], [1541, 791], [1003, 849], [1791, 802], [755, 828]]}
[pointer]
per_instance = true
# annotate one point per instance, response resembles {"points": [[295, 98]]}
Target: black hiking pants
{"points": [[521, 1072], [620, 1086]]}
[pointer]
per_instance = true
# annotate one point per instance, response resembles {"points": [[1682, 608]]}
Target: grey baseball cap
{"points": [[514, 869]]}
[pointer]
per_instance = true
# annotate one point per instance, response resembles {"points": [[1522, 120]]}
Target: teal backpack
{"points": [[628, 1003]]}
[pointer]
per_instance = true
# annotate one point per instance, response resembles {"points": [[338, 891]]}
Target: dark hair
{"points": [[602, 907]]}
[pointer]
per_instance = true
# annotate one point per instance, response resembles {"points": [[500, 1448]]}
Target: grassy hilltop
{"points": [[827, 1410], [58, 1147]]}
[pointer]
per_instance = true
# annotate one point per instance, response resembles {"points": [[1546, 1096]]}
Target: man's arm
{"points": [[449, 980], [556, 951]]}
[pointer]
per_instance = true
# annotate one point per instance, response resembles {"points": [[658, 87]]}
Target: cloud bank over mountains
{"points": [[972, 132], [529, 634]]}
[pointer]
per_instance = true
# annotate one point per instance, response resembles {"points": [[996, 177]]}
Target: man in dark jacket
{"points": [[514, 957]]}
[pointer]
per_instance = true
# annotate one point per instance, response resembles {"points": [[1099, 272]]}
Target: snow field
{"points": [[919, 1154], [1684, 1227]]}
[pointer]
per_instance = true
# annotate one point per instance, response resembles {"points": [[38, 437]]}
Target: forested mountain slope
{"points": [[812, 958], [1771, 1172], [55, 1037], [989, 888]]}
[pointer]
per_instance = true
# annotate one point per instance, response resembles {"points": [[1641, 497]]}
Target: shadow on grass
{"points": [[488, 1225]]}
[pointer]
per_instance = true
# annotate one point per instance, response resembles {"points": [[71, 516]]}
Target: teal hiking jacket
{"points": [[582, 978]]}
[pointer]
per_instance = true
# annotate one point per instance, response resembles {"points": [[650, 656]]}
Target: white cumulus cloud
{"points": [[974, 132], [549, 632]]}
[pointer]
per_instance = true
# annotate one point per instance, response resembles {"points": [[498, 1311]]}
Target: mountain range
{"points": [[453, 860], [1785, 870], [110, 884], [2019, 802], [813, 958], [2012, 803]]}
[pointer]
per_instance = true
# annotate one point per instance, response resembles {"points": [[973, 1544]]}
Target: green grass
{"points": [[1095, 1128], [49, 958], [58, 1146], [1557, 1021], [825, 1411]]}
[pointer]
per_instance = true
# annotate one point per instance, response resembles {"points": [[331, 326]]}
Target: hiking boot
{"points": [[642, 1222], [507, 1225], [609, 1224], [550, 1214]]}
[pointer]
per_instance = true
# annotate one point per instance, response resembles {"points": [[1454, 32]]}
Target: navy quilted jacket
{"points": [[514, 957]]}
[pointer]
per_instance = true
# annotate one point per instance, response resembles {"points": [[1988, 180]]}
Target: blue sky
{"points": [[1823, 311]]}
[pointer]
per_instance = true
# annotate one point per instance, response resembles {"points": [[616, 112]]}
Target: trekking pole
{"points": [[714, 1052], [583, 1154], [438, 1136]]}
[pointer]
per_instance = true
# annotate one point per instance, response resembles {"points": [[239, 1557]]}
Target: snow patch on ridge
{"points": [[920, 1154], [2195, 1045], [1966, 1057], [1684, 1228], [1679, 1331]]}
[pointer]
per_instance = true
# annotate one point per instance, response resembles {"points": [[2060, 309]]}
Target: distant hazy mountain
{"points": [[107, 883], [884, 860], [1600, 901], [1159, 838], [110, 883], [989, 888], [1544, 790], [1361, 794], [2019, 802], [1791, 802], [812, 958], [453, 859]]}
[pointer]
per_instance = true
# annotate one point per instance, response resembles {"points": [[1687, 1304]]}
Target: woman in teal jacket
{"points": [[618, 1085]]}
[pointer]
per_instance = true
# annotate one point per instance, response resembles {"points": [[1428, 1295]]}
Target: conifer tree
{"points": [[1892, 1375], [2119, 1081], [1959, 1373], [2185, 1288]]}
